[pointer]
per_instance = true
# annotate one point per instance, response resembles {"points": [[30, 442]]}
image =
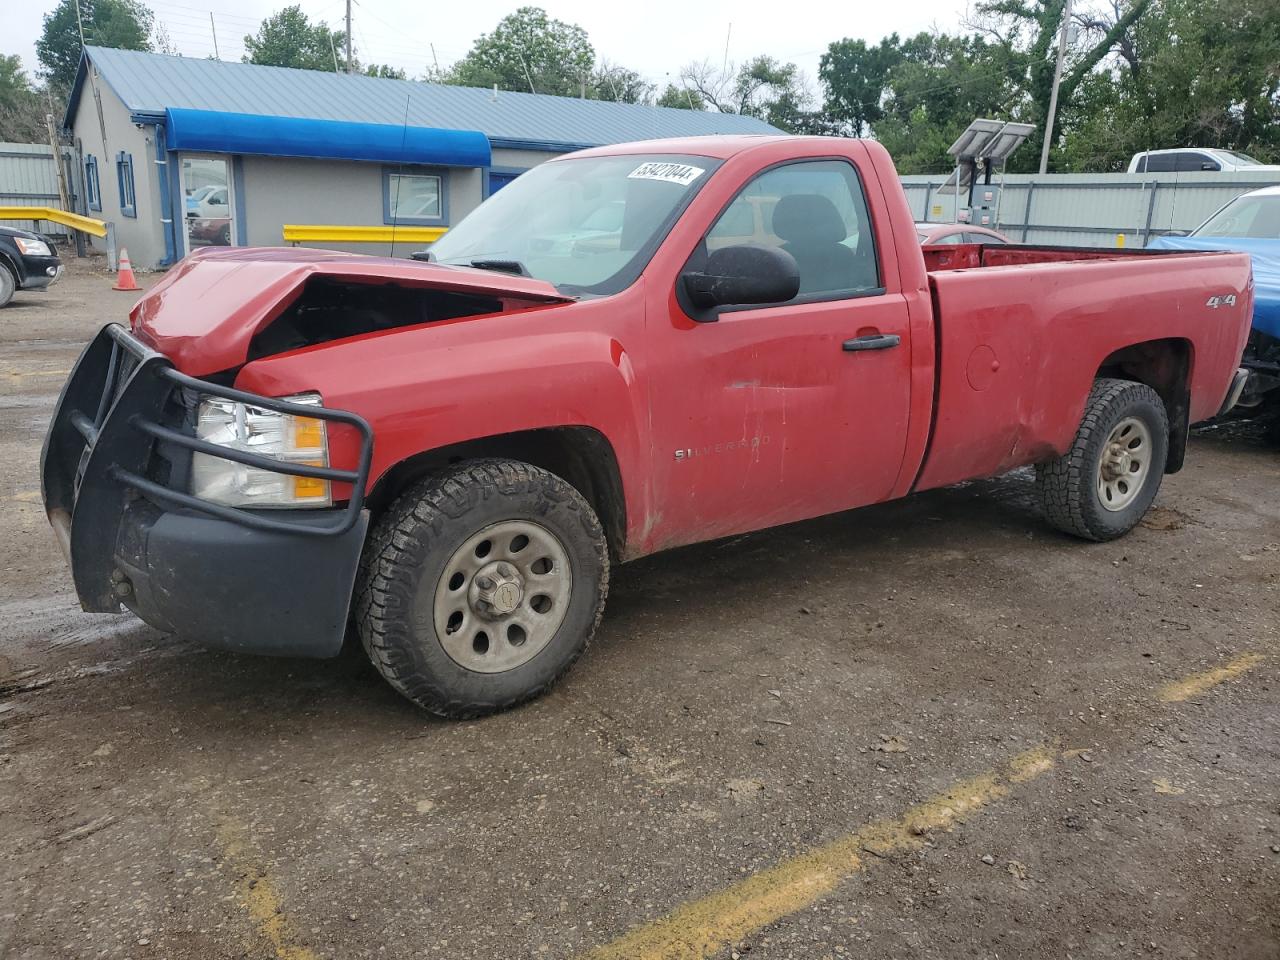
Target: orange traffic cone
{"points": [[125, 280]]}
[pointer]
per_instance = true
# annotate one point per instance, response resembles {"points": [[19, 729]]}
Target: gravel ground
{"points": [[762, 731]]}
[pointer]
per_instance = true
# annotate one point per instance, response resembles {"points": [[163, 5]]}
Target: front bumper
{"points": [[40, 272], [113, 472]]}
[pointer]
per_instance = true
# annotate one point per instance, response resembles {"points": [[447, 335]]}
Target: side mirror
{"points": [[743, 274]]}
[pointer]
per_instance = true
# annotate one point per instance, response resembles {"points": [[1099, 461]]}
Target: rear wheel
{"points": [[1103, 486], [481, 586], [8, 284]]}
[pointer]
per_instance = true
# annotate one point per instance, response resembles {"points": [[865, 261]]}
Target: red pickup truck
{"points": [[626, 350]]}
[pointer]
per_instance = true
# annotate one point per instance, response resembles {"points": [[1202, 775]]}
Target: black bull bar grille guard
{"points": [[101, 440]]}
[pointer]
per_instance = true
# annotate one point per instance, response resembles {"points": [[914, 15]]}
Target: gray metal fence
{"points": [[29, 178], [1094, 209]]}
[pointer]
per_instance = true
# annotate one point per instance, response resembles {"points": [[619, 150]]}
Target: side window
{"points": [[412, 197], [956, 237], [124, 180], [816, 211], [984, 238], [1196, 162], [1161, 162], [1142, 165], [92, 190]]}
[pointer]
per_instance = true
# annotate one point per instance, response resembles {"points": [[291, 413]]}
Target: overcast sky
{"points": [[655, 37]]}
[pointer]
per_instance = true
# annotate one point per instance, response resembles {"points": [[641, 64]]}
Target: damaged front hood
{"points": [[206, 311]]}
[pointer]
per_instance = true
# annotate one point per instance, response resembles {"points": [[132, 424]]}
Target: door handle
{"points": [[874, 341]]}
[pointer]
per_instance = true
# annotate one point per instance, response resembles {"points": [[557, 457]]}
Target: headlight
{"points": [[267, 433], [33, 248]]}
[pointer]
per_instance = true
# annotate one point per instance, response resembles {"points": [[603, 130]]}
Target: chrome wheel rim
{"points": [[502, 596], [1124, 465]]}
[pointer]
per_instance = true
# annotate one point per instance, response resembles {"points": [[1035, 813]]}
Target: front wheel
{"points": [[481, 586], [1103, 486], [8, 285]]}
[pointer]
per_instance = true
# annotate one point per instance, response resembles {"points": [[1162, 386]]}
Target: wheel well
{"points": [[582, 456], [1165, 366]]}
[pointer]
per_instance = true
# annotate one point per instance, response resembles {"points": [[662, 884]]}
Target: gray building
{"points": [[181, 153]]}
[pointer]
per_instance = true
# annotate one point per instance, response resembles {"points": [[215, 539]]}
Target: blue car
{"points": [[1250, 224]]}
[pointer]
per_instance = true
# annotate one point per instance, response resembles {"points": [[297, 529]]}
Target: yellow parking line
{"points": [[704, 926], [1199, 683], [259, 895]]}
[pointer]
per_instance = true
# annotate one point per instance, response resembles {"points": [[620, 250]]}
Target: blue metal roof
{"points": [[151, 83]]}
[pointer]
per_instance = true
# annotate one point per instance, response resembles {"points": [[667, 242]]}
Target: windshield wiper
{"points": [[501, 266]]}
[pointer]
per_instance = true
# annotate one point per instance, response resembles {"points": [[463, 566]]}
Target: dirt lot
{"points": [[930, 729]]}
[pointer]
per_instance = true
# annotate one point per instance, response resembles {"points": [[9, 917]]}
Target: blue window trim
{"points": [[400, 171], [512, 172], [92, 188], [237, 195], [124, 180]]}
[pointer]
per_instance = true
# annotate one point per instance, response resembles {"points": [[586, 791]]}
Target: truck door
{"points": [[782, 412]]}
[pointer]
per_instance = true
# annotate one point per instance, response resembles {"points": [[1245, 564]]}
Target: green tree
{"points": [[384, 70], [941, 84], [682, 98], [916, 95], [620, 84], [854, 76], [125, 24], [529, 51], [288, 38], [762, 87], [1032, 29], [1187, 75], [21, 108]]}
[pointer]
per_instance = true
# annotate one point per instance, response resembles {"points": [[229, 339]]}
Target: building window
{"points": [[92, 193], [124, 177], [412, 197], [500, 177]]}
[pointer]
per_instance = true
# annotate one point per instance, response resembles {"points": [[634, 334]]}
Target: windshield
{"points": [[588, 225], [1241, 159], [1255, 217]]}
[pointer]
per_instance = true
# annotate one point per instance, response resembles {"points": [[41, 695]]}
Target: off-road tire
{"points": [[8, 284], [406, 554], [1069, 485]]}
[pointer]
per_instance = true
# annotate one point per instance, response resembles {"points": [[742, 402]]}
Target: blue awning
{"points": [[250, 134]]}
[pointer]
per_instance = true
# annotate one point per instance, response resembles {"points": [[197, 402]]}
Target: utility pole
{"points": [[1053, 94], [56, 147], [349, 37], [80, 24]]}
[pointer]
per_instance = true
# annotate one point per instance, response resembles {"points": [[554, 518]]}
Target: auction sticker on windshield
{"points": [[681, 173]]}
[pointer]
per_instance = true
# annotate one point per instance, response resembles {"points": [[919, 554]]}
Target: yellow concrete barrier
{"points": [[73, 220], [334, 233]]}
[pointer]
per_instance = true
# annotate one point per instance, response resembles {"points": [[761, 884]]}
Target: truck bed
{"points": [[1020, 341], [969, 256]]}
